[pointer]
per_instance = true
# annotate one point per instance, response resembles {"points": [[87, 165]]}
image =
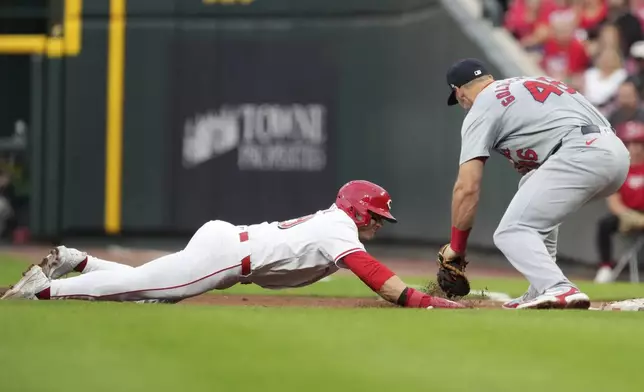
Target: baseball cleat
{"points": [[577, 300], [559, 297], [60, 261], [513, 304], [33, 282], [529, 295]]}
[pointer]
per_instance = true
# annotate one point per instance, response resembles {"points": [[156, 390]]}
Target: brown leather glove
{"points": [[451, 275]]}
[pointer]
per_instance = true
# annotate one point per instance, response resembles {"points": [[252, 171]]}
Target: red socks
{"points": [[45, 294]]}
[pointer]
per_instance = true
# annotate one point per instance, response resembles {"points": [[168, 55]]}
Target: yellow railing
{"points": [[114, 132], [64, 40]]}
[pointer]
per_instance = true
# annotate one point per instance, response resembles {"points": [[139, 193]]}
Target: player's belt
{"points": [[586, 129], [245, 263]]}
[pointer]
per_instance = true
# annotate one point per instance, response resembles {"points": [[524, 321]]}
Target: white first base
{"points": [[629, 305]]}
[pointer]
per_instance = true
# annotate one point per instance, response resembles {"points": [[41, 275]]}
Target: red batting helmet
{"points": [[631, 131], [361, 198]]}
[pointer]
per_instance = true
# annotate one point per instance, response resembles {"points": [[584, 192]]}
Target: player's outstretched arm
{"points": [[389, 286], [465, 199]]}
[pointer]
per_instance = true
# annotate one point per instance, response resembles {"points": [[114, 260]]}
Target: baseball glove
{"points": [[451, 275]]}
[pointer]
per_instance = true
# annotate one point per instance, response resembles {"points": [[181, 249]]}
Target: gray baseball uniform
{"points": [[546, 125]]}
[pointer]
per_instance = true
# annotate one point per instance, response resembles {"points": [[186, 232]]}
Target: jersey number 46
{"points": [[543, 87]]}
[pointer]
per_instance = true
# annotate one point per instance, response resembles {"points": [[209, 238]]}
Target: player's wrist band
{"points": [[402, 300], [459, 239], [412, 298]]}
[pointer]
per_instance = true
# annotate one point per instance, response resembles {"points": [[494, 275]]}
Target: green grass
{"points": [[72, 346], [11, 269], [80, 346]]}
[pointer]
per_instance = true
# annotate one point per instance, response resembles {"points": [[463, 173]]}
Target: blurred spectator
{"points": [[628, 105], [591, 13], [527, 20], [564, 55], [608, 37], [637, 8], [636, 66], [627, 205], [602, 81], [7, 202], [563, 8], [630, 29]]}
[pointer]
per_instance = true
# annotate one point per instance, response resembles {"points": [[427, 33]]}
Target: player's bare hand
{"points": [[448, 253]]}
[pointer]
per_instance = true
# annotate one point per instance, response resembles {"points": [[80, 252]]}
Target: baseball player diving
{"points": [[292, 253], [567, 153]]}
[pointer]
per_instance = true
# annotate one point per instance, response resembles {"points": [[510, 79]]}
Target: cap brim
{"points": [[385, 214], [451, 101]]}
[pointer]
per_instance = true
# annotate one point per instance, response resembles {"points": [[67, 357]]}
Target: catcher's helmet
{"points": [[631, 131], [359, 199]]}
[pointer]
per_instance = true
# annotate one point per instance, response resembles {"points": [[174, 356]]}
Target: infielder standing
{"points": [[567, 152], [275, 255]]}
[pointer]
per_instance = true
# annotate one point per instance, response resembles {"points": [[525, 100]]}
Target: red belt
{"points": [[245, 263]]}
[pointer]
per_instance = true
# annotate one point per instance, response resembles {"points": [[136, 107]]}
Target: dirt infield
{"points": [[284, 300], [304, 301], [299, 301], [309, 301], [329, 302]]}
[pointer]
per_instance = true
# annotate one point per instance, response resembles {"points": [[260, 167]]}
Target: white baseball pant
{"points": [[586, 167], [216, 257]]}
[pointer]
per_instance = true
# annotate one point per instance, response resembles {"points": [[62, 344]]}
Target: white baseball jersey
{"points": [[524, 118], [301, 251]]}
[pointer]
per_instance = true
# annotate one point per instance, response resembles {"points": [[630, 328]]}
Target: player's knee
{"points": [[501, 236]]}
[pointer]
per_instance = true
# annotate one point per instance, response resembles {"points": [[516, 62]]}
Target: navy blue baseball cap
{"points": [[463, 72]]}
